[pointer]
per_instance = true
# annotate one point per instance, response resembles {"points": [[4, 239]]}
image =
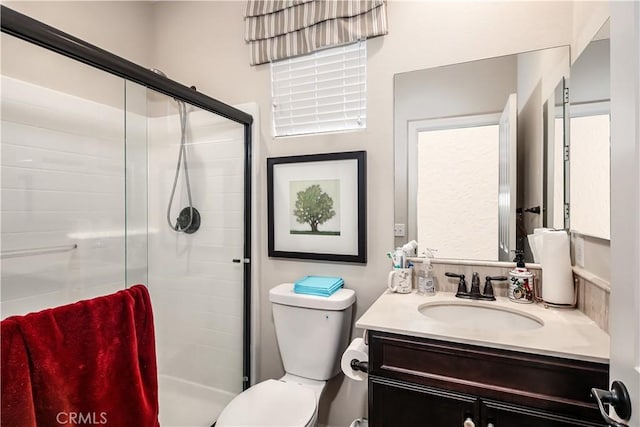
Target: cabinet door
{"points": [[399, 404], [496, 414]]}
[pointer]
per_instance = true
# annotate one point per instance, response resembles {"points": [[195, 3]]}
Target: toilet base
{"points": [[315, 385], [290, 400]]}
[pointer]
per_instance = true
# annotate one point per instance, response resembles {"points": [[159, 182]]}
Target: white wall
{"points": [[545, 67], [587, 19], [202, 43], [128, 35], [121, 27], [590, 74]]}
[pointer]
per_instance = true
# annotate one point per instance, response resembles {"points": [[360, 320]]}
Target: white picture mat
{"points": [[344, 170]]}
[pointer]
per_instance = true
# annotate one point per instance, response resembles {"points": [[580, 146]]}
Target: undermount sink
{"points": [[477, 315]]}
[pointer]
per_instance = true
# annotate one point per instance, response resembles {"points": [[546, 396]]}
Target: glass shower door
{"points": [[62, 180], [94, 200], [196, 288]]}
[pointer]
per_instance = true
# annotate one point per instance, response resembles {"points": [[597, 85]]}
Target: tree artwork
{"points": [[314, 207]]}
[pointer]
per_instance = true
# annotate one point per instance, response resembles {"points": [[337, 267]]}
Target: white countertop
{"points": [[566, 333]]}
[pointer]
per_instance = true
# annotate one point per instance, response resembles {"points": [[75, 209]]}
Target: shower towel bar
{"points": [[37, 251]]}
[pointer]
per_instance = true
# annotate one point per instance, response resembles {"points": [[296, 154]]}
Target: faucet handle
{"points": [[488, 287], [448, 274], [462, 285]]}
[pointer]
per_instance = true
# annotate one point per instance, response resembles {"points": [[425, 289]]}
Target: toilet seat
{"points": [[270, 403]]}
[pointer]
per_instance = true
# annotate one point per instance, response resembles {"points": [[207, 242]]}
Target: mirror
{"points": [[555, 189], [469, 154], [589, 139]]}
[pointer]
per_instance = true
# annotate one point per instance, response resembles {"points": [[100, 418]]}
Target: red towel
{"points": [[94, 362], [17, 401]]}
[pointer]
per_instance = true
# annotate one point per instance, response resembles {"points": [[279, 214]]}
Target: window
{"points": [[325, 91]]}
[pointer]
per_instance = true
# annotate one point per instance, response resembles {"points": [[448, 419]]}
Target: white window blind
{"points": [[324, 91]]}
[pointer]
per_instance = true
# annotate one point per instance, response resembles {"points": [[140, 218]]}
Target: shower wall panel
{"points": [[62, 185], [196, 289]]}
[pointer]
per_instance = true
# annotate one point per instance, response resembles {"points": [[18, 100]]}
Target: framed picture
{"points": [[317, 207]]}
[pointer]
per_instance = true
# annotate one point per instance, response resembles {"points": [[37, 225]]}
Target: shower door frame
{"points": [[43, 35]]}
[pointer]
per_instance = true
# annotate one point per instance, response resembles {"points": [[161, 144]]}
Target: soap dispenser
{"points": [[426, 285], [520, 281]]}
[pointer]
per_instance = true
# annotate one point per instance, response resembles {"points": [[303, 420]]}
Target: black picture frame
{"points": [[334, 176]]}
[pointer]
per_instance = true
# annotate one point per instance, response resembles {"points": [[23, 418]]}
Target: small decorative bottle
{"points": [[520, 282]]}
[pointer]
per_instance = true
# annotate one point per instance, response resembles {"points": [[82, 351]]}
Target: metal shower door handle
{"points": [[618, 397]]}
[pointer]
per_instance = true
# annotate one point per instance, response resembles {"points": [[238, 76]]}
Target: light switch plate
{"points": [[398, 230], [579, 251]]}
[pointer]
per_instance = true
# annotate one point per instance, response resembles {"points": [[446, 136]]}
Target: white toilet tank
{"points": [[312, 331]]}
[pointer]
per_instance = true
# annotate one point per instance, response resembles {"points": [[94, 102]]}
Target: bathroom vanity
{"points": [[481, 370]]}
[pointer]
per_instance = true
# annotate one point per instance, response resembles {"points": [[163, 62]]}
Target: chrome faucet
{"points": [[474, 293]]}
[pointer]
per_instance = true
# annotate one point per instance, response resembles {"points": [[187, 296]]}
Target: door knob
{"points": [[619, 398], [468, 423]]}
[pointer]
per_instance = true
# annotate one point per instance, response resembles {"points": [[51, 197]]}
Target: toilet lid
{"points": [[270, 403]]}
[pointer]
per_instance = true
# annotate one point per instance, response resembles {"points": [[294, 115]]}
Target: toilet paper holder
{"points": [[357, 365]]}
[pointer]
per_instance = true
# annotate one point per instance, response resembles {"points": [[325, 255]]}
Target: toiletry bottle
{"points": [[426, 285], [398, 258]]}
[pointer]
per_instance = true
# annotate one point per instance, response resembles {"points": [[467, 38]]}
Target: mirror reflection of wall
{"points": [[468, 224], [539, 74], [555, 139], [589, 154], [449, 193]]}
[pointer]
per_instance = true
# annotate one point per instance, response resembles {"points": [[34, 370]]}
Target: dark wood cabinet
{"points": [[426, 382], [500, 414], [403, 404]]}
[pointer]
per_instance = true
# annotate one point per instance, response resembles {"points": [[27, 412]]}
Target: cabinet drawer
{"points": [[499, 414], [549, 383], [404, 405]]}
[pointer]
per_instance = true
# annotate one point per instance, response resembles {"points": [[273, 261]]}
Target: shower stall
{"points": [[92, 202]]}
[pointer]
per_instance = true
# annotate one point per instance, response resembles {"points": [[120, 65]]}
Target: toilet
{"points": [[312, 333]]}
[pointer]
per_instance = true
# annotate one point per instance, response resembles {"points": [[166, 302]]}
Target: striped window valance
{"points": [[278, 29]]}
